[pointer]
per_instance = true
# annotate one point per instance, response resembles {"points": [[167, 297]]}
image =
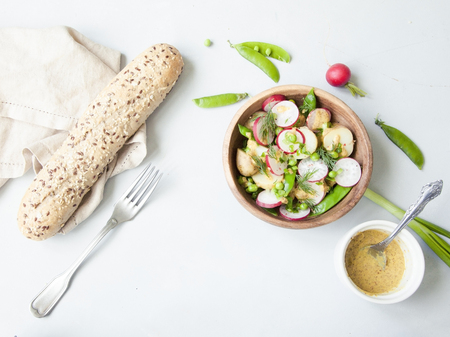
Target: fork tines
{"points": [[143, 186]]}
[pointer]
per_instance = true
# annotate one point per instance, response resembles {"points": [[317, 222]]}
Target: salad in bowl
{"points": [[298, 158]]}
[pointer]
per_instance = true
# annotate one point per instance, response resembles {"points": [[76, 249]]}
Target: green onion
{"points": [[426, 230]]}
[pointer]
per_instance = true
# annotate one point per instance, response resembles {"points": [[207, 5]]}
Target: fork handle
{"points": [[428, 193], [52, 293]]}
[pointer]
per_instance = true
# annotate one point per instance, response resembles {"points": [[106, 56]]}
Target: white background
{"points": [[194, 262]]}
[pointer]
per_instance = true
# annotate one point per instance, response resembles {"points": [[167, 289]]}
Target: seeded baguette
{"points": [[114, 116]]}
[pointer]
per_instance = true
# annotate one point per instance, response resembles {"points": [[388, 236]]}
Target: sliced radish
{"points": [[351, 172], [251, 121], [267, 199], [271, 101], [258, 134], [317, 118], [320, 192], [317, 194], [287, 146], [308, 165], [293, 216], [266, 182], [339, 134], [286, 113], [310, 142], [274, 165]]}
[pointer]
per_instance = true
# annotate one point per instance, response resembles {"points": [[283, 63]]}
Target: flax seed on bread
{"points": [[114, 116]]}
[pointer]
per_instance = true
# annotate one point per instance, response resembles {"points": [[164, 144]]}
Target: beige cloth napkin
{"points": [[47, 79]]}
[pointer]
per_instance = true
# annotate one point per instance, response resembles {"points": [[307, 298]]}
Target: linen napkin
{"points": [[47, 79]]}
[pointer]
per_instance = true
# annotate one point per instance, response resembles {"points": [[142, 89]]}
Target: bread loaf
{"points": [[114, 116]]}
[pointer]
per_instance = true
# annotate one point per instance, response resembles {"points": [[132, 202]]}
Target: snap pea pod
{"points": [[219, 100], [403, 142], [289, 181], [268, 49], [272, 211], [246, 132], [331, 199], [309, 103], [258, 60]]}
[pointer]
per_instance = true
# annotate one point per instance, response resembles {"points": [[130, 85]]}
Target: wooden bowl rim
{"points": [[333, 214]]}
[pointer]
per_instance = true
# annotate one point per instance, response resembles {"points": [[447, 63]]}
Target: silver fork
{"points": [[125, 209]]}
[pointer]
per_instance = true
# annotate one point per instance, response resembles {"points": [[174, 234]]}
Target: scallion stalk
{"points": [[426, 230]]}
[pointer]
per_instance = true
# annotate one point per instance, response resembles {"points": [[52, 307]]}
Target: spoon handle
{"points": [[428, 193]]}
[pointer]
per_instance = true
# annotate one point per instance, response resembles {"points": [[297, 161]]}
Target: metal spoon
{"points": [[428, 193]]}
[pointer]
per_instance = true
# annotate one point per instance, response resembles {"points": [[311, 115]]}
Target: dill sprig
{"points": [[272, 152], [302, 182], [326, 157], [268, 125], [262, 167]]}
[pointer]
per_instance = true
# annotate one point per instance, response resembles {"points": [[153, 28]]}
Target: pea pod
{"points": [[289, 181], [331, 199], [272, 211], [403, 142], [246, 132], [309, 103], [269, 50], [218, 100], [258, 60]]}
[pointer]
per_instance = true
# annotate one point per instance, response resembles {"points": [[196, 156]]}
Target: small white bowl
{"points": [[414, 263]]}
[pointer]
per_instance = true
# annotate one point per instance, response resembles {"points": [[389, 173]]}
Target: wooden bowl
{"points": [[340, 113]]}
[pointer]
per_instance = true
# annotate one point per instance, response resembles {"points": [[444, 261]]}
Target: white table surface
{"points": [[194, 262]]}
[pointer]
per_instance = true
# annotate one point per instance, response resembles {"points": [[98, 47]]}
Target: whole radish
{"points": [[338, 75]]}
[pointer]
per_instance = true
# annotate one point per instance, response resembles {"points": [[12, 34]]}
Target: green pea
{"points": [[252, 188], [242, 180], [332, 174], [339, 171], [291, 137], [256, 48], [334, 154], [303, 206], [207, 42], [218, 100], [292, 162], [315, 156], [294, 168], [250, 180], [281, 193], [279, 129], [279, 186], [268, 51], [403, 142]]}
